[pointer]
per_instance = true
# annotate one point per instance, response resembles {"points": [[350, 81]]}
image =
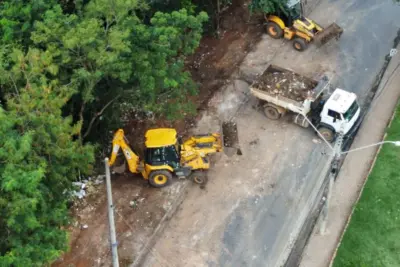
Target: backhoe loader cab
{"points": [[162, 148], [166, 155]]}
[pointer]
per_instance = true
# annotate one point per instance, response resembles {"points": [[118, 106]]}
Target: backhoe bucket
{"points": [[230, 138], [327, 34]]}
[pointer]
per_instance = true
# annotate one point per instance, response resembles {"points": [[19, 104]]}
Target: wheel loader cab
{"points": [[295, 9]]}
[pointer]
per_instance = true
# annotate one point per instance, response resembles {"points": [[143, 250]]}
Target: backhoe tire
{"points": [[160, 178], [272, 113], [274, 30], [300, 44], [327, 133]]}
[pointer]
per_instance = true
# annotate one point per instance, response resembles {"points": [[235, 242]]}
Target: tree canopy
{"points": [[39, 159], [268, 6], [67, 67]]}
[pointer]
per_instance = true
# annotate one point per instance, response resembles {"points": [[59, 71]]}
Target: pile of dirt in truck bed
{"points": [[287, 84]]}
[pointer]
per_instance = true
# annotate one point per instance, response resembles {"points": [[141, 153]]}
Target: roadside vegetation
{"points": [[373, 235], [71, 71]]}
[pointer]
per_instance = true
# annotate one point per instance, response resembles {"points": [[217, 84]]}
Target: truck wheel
{"points": [[274, 30], [327, 133], [160, 178], [272, 113], [300, 44]]}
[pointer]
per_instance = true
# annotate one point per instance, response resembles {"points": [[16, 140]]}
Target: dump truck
{"points": [[283, 91]]}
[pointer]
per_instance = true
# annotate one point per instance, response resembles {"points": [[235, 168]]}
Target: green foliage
{"points": [[172, 5], [373, 235], [269, 6], [18, 16], [67, 67], [107, 52], [39, 160]]}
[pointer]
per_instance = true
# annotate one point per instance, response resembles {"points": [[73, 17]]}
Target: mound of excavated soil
{"points": [[287, 84]]}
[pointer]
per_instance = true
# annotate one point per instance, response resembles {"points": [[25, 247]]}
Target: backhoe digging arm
{"points": [[119, 142]]}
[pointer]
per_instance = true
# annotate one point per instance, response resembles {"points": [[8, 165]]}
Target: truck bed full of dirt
{"points": [[285, 83]]}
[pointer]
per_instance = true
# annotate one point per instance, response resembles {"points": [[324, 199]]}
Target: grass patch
{"points": [[373, 236]]}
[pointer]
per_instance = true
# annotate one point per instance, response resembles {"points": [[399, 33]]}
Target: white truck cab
{"points": [[340, 111]]}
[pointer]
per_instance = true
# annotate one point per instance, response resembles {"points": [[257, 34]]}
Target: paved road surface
{"points": [[254, 205]]}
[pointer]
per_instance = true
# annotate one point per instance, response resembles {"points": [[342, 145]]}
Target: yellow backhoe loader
{"points": [[292, 25], [165, 155]]}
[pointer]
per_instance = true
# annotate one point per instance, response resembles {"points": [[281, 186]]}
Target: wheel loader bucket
{"points": [[230, 138], [327, 34]]}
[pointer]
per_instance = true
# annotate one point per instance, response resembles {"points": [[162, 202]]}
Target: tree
{"points": [[269, 6], [40, 159], [108, 53], [18, 17], [62, 69]]}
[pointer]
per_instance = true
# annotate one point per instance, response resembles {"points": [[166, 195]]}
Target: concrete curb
{"points": [[161, 225]]}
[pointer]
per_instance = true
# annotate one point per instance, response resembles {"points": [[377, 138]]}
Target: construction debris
{"points": [[86, 186], [287, 84]]}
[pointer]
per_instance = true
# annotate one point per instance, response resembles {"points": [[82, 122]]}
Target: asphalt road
{"points": [[370, 27], [254, 206]]}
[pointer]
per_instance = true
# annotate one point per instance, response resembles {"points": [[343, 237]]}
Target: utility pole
{"points": [[337, 150], [113, 237]]}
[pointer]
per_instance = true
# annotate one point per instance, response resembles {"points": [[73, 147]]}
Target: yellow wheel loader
{"points": [[166, 155], [292, 25]]}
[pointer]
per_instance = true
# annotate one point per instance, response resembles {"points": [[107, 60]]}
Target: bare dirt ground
{"points": [[139, 207], [138, 210]]}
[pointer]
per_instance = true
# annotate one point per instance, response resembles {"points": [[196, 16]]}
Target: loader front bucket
{"points": [[230, 138], [327, 34]]}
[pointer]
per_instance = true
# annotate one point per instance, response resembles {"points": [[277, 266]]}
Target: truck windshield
{"points": [[348, 115]]}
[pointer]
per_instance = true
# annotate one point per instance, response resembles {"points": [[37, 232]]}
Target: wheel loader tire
{"points": [[160, 178], [327, 133], [199, 177], [274, 30], [300, 44], [272, 113]]}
